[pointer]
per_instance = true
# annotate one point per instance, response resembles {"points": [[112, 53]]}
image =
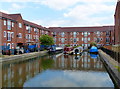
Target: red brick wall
{"points": [[117, 24]]}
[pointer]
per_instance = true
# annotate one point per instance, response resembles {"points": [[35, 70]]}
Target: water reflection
{"points": [[56, 70]]}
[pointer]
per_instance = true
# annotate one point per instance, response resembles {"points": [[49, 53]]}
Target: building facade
{"points": [[17, 32], [74, 36], [117, 23]]}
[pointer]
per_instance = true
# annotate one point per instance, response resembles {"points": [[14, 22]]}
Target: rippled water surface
{"points": [[57, 71]]}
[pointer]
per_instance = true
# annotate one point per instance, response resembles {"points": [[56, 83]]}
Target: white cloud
{"points": [[59, 4], [75, 12], [63, 4], [5, 11], [91, 14], [50, 23], [17, 6]]}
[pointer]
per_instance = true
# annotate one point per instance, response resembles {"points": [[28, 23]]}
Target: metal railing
{"points": [[113, 54]]}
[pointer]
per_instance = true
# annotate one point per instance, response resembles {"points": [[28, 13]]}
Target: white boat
{"points": [[78, 50]]}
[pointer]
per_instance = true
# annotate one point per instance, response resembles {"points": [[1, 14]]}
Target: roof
{"points": [[32, 24], [15, 16], [6, 15], [81, 29]]}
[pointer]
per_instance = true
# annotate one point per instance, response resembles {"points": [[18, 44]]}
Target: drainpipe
{"points": [[1, 33]]}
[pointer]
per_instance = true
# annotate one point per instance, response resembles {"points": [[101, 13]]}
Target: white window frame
{"points": [[9, 25], [12, 24], [5, 22], [20, 35], [12, 45], [5, 34], [12, 34], [9, 36], [20, 25], [88, 38]]}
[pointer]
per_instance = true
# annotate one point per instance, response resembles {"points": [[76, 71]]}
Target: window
{"points": [[88, 33], [85, 34], [82, 39], [30, 36], [74, 40], [98, 40], [62, 40], [82, 33], [54, 34], [5, 34], [5, 44], [55, 40], [12, 45], [26, 36], [12, 34], [59, 39], [12, 24], [74, 34], [107, 40], [28, 28], [89, 39], [9, 25], [20, 35], [20, 25], [107, 33], [4, 22], [62, 34], [9, 45], [98, 33], [8, 36], [85, 40]]}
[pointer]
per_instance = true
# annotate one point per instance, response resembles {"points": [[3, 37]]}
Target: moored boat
{"points": [[93, 50], [68, 50], [78, 50]]}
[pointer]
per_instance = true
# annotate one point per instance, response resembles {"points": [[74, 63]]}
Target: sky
{"points": [[63, 13]]}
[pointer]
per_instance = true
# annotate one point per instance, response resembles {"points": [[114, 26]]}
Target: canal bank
{"points": [[110, 65], [22, 56]]}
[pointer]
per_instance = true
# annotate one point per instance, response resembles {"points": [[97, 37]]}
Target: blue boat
{"points": [[94, 50], [93, 56]]}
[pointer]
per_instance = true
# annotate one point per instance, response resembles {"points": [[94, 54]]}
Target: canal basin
{"points": [[57, 71]]}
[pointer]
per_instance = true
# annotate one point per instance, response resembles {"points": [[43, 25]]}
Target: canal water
{"points": [[57, 71]]}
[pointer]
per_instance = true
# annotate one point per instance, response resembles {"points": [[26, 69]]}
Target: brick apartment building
{"points": [[117, 23], [74, 36], [17, 32]]}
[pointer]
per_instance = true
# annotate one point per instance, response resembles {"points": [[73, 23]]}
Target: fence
{"points": [[113, 54]]}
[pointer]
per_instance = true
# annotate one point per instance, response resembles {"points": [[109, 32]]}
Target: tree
{"points": [[93, 44], [46, 40]]}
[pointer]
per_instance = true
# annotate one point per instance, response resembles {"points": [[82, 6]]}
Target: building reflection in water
{"points": [[15, 74]]}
